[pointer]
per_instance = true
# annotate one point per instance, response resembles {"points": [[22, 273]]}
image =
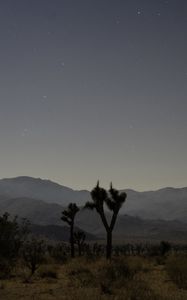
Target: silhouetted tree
{"points": [[114, 200], [165, 247], [12, 237], [79, 238], [68, 216]]}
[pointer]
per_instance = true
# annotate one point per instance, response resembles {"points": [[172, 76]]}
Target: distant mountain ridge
{"points": [[37, 188], [166, 203]]}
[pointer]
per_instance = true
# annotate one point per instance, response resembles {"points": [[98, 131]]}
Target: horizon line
{"points": [[79, 190]]}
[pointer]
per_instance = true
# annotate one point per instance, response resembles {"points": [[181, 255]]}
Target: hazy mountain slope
{"points": [[168, 204], [134, 227], [37, 188], [36, 211], [153, 229], [41, 213], [56, 233]]}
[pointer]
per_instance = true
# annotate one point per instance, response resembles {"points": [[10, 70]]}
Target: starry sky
{"points": [[94, 89]]}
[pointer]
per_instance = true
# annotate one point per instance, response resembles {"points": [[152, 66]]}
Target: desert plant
{"points": [[176, 267], [120, 269], [79, 238], [33, 253], [165, 247], [114, 200], [58, 252], [68, 216], [140, 290], [48, 271], [12, 236]]}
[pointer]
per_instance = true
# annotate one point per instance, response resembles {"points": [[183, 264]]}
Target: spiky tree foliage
{"points": [[114, 201], [68, 216], [79, 238]]}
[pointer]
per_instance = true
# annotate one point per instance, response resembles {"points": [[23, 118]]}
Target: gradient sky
{"points": [[94, 89]]}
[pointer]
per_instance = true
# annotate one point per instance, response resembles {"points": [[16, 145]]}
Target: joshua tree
{"points": [[68, 216], [79, 238], [114, 200]]}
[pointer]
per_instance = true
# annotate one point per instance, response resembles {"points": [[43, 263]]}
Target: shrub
{"points": [[5, 268], [58, 253], [12, 236], [2, 285], [48, 271], [122, 268], [80, 273], [139, 290], [33, 254], [165, 248], [176, 267]]}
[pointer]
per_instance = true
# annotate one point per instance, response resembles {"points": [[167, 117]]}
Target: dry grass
{"points": [[131, 278], [176, 267]]}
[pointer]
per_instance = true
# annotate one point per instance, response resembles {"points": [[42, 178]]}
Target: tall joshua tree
{"points": [[68, 216], [114, 201]]}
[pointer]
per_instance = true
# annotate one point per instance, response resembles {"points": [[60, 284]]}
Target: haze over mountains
{"points": [[45, 190], [166, 204], [161, 213]]}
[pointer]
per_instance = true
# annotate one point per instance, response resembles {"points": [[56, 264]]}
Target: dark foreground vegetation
{"points": [[32, 268]]}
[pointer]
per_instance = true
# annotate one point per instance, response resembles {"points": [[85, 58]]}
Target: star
{"points": [[117, 20], [44, 98], [25, 132], [139, 11]]}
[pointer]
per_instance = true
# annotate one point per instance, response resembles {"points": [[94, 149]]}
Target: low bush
{"points": [[176, 267], [5, 269], [82, 276], [2, 285], [48, 271], [58, 253], [139, 290], [33, 254], [125, 268]]}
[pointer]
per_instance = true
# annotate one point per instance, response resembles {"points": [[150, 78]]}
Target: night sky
{"points": [[94, 89]]}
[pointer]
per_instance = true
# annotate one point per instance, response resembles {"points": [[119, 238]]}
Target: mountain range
{"points": [[166, 203], [154, 214]]}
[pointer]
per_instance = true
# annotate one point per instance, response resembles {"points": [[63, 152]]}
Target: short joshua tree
{"points": [[68, 216], [79, 238]]}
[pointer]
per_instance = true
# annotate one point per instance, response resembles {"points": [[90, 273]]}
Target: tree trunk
{"points": [[109, 245], [72, 241]]}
